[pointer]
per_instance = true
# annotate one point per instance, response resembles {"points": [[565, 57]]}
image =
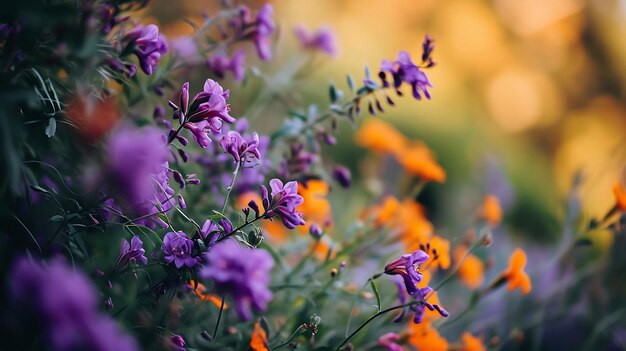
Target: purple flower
{"points": [[389, 342], [323, 39], [220, 63], [283, 203], [206, 112], [138, 172], [404, 70], [65, 304], [238, 147], [407, 266], [264, 28], [210, 229], [342, 176], [427, 49], [177, 342], [242, 273], [148, 44], [186, 49], [315, 231], [178, 249], [422, 296], [132, 252]]}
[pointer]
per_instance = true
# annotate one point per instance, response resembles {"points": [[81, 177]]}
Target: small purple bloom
{"points": [[132, 252], [242, 273], [63, 302], [407, 266], [419, 309], [389, 342], [149, 46], [206, 112], [427, 49], [262, 35], [210, 229], [178, 249], [238, 147], [342, 176], [220, 64], [177, 342], [323, 39], [404, 70], [315, 231], [283, 202]]}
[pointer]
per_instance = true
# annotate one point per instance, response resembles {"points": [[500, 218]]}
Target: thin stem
{"points": [[230, 187], [245, 224], [295, 333], [219, 318], [372, 318], [173, 136]]}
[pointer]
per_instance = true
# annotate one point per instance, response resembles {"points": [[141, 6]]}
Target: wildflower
{"points": [[298, 161], [315, 231], [259, 340], [472, 269], [178, 249], [238, 147], [206, 112], [139, 174], [94, 118], [404, 70], [380, 137], [264, 28], [620, 196], [200, 291], [417, 159], [471, 343], [316, 208], [323, 39], [283, 203], [407, 266], [177, 343], [342, 176], [491, 211], [186, 48], [64, 303], [242, 273], [440, 249], [515, 275], [389, 342], [425, 337], [132, 252], [209, 229], [220, 63], [149, 46]]}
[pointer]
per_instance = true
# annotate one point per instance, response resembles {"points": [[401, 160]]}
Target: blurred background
{"points": [[526, 93]]}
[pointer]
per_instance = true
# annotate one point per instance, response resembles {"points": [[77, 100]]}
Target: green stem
{"points": [[219, 318], [230, 187], [295, 333]]}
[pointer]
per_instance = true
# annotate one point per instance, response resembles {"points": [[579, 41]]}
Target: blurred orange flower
{"points": [[515, 274], [93, 117], [424, 337], [316, 207], [471, 343], [491, 211], [417, 159], [259, 340], [620, 196], [380, 137], [472, 270], [200, 291]]}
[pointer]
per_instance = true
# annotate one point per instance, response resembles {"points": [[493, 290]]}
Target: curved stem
{"points": [[219, 318], [230, 187], [295, 333]]}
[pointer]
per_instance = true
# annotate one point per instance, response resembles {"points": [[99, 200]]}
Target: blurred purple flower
{"points": [[283, 203], [138, 171], [404, 70], [148, 44], [389, 342], [407, 266], [131, 252], [177, 342], [262, 35], [65, 304], [342, 176], [427, 49], [186, 49], [240, 147], [220, 63], [178, 249], [206, 112], [323, 39], [242, 273]]}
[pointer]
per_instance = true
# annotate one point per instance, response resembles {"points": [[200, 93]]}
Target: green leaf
{"points": [[375, 290], [350, 83], [51, 129], [332, 92]]}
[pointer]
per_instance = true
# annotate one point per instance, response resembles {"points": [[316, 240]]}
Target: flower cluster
{"points": [[148, 45], [283, 202]]}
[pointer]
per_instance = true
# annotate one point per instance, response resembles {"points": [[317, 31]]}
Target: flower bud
{"points": [[315, 231], [342, 176]]}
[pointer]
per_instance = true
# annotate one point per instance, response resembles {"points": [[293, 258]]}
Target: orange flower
{"points": [[316, 207], [491, 211], [515, 274], [424, 337], [93, 117], [471, 343], [384, 212], [200, 291], [380, 137], [442, 247], [620, 196], [417, 159], [259, 340], [472, 270]]}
